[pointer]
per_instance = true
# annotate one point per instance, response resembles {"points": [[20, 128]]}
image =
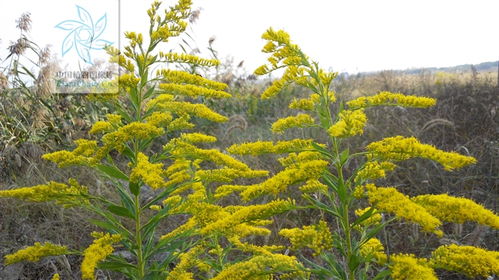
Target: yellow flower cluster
{"points": [[316, 237], [85, 153], [197, 138], [402, 148], [249, 213], [388, 98], [262, 267], [100, 126], [133, 130], [350, 123], [268, 147], [457, 209], [290, 74], [227, 175], [56, 277], [312, 186], [306, 104], [128, 81], [374, 249], [374, 170], [408, 267], [193, 91], [469, 260], [187, 58], [300, 120], [294, 159], [159, 119], [375, 218], [96, 252], [181, 108], [182, 149], [63, 194], [278, 183], [35, 253], [149, 173], [181, 122], [188, 260], [391, 201], [182, 77]]}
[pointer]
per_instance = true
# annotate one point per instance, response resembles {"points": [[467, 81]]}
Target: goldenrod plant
{"points": [[345, 243], [170, 217], [157, 187]]}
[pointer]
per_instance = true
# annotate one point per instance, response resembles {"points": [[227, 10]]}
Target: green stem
{"points": [[138, 240]]}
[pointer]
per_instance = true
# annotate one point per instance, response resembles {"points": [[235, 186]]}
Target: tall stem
{"points": [[138, 240]]}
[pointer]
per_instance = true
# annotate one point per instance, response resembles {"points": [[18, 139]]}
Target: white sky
{"points": [[352, 36]]}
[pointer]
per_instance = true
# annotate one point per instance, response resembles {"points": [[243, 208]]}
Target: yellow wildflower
{"points": [[314, 185], [155, 207], [302, 104], [294, 159], [261, 268], [85, 153], [134, 130], [268, 147], [56, 277], [401, 148], [374, 170], [35, 253], [193, 91], [100, 126], [300, 120], [180, 123], [63, 194], [161, 98], [159, 119], [227, 175], [373, 249], [226, 190], [389, 200], [182, 77], [373, 220], [350, 123], [114, 119], [149, 173], [316, 237], [388, 98], [469, 260], [457, 209], [187, 226], [248, 213], [181, 108], [96, 252], [408, 267], [197, 138], [290, 74], [187, 58], [188, 260], [278, 183]]}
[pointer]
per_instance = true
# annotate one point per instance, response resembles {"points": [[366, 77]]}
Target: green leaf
{"points": [[126, 200], [344, 156], [120, 211], [363, 217], [105, 225], [134, 188], [112, 171], [119, 265], [323, 151], [382, 274], [149, 92]]}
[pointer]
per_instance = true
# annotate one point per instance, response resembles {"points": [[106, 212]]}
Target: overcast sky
{"points": [[352, 36]]}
